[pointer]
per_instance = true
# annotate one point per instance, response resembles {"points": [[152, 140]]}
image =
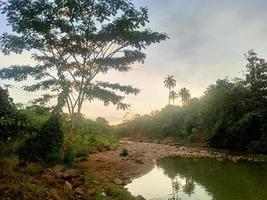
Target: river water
{"points": [[177, 178]]}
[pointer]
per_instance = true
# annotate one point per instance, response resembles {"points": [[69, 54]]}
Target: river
{"points": [[178, 178]]}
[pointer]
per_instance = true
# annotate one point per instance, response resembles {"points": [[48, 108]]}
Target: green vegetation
{"points": [[124, 152], [43, 133], [230, 114]]}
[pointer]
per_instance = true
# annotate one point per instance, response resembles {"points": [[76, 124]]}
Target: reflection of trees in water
{"points": [[175, 189], [188, 188], [221, 180]]}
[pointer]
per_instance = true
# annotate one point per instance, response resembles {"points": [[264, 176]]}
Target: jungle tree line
{"points": [[231, 114]]}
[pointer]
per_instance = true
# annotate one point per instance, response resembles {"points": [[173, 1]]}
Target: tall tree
{"points": [[72, 41], [173, 96], [185, 96], [256, 75], [169, 83]]}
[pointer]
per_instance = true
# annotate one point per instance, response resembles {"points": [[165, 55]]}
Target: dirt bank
{"points": [[109, 166]]}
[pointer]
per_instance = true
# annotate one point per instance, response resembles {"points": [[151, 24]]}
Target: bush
{"points": [[114, 192], [12, 121], [124, 152], [47, 144]]}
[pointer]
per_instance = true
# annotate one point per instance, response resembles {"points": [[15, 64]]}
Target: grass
{"points": [[36, 189]]}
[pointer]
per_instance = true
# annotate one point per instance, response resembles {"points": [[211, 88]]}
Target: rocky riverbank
{"points": [[109, 166], [102, 175]]}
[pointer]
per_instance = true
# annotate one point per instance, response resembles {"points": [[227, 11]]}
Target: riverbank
{"points": [[102, 175], [109, 166]]}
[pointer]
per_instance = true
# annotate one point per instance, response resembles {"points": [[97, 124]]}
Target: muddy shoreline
{"points": [[109, 166]]}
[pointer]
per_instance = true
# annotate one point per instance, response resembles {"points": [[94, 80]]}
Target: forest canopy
{"points": [[231, 114]]}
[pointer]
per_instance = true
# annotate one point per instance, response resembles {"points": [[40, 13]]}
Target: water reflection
{"points": [[202, 179]]}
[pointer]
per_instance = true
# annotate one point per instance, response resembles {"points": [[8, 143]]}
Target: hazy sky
{"points": [[208, 39]]}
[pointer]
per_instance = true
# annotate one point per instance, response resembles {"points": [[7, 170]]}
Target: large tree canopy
{"points": [[72, 41]]}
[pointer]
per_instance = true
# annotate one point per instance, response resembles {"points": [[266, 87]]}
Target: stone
{"points": [[48, 178], [70, 173], [48, 171], [79, 191], [67, 186], [78, 182], [118, 181], [126, 181], [140, 197], [58, 175], [58, 168], [56, 194], [139, 161]]}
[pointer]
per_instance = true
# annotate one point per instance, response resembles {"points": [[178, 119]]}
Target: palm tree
{"points": [[185, 95], [169, 83], [173, 96]]}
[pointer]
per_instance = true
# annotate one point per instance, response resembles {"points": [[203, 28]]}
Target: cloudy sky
{"points": [[208, 39]]}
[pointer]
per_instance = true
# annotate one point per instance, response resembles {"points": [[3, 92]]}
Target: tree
{"points": [[169, 83], [101, 121], [72, 42], [185, 96], [256, 76], [173, 96]]}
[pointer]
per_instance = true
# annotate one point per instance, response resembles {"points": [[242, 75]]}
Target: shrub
{"points": [[12, 121], [114, 192], [124, 152], [8, 164], [47, 144]]}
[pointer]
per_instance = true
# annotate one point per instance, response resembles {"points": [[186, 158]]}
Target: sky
{"points": [[208, 39]]}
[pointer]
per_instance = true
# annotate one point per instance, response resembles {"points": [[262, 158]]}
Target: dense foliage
{"points": [[231, 114], [37, 133], [12, 122]]}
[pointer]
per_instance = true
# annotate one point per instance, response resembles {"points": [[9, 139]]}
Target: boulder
{"points": [[58, 168], [118, 181], [70, 173]]}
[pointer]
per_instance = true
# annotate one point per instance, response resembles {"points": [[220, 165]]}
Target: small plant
{"points": [[88, 179], [33, 168], [36, 189], [124, 152], [114, 192], [8, 164]]}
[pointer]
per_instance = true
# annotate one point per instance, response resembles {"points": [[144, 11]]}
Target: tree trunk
{"points": [[169, 96], [70, 134]]}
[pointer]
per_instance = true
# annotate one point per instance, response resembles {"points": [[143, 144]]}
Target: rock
{"points": [[58, 168], [83, 159], [78, 182], [140, 197], [48, 171], [118, 181], [139, 161], [79, 191], [48, 178], [67, 186], [70, 173], [126, 181], [58, 175], [57, 194]]}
